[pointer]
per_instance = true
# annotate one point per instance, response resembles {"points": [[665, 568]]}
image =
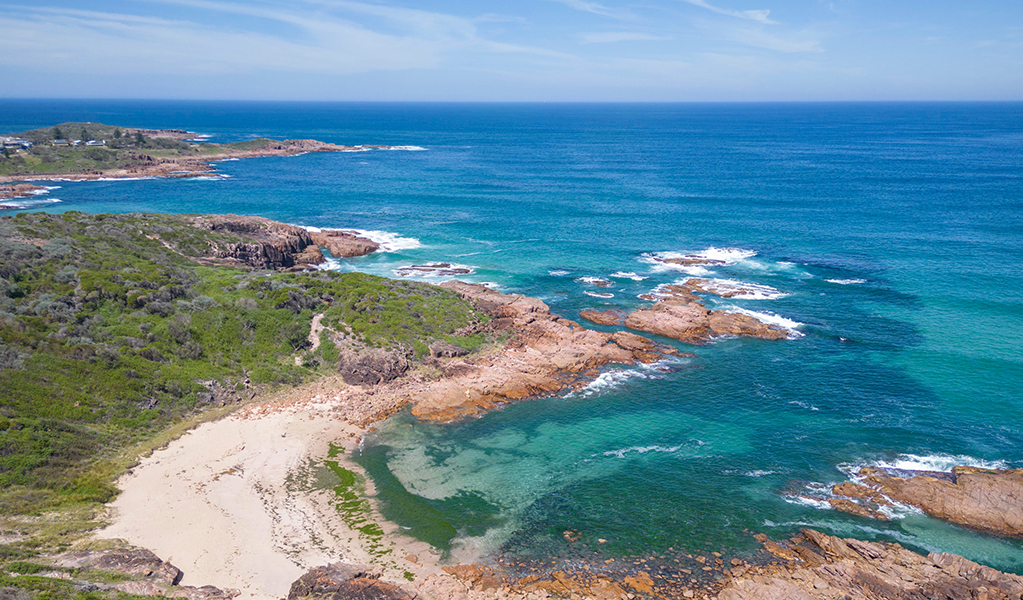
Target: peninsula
{"points": [[84, 151]]}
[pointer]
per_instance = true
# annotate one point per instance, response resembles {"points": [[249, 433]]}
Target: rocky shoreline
{"points": [[143, 164], [269, 533]]}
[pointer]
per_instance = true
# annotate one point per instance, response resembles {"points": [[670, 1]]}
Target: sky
{"points": [[528, 50]]}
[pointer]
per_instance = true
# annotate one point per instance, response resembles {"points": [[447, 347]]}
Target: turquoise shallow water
{"points": [[889, 238]]}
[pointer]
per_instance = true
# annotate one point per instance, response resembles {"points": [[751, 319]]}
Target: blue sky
{"points": [[530, 50]]}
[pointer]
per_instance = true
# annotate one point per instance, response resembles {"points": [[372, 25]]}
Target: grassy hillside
{"points": [[110, 332]]}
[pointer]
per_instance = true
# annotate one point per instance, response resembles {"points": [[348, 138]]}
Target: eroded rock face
{"points": [[344, 244], [819, 566], [272, 245], [372, 367], [344, 582], [985, 499]]}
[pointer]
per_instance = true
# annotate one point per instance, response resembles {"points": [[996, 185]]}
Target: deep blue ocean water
{"points": [[888, 237]]}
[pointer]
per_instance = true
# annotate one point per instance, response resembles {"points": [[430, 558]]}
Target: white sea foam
{"points": [[354, 149], [21, 203], [46, 190], [846, 281], [746, 291], [806, 501], [124, 178], [771, 319], [389, 242], [558, 273], [604, 295], [433, 270], [928, 462], [593, 280], [726, 256], [627, 275], [644, 449], [759, 473], [608, 380], [407, 148]]}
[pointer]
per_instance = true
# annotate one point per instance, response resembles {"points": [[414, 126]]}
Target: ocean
{"points": [[887, 238]]}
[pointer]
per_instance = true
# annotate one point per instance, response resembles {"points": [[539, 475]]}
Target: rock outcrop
{"points": [[267, 244], [139, 563], [373, 367], [819, 566], [603, 317], [153, 577], [990, 500], [344, 582], [680, 315], [545, 355], [344, 244]]}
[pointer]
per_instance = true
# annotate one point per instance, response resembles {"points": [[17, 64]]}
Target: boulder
{"points": [[266, 245], [344, 582], [137, 562], [373, 366], [344, 244]]}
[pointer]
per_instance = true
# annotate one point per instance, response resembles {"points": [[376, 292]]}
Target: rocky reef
{"points": [[678, 313], [989, 500]]}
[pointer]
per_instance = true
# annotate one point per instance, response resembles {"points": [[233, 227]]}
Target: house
{"points": [[61, 143], [17, 143], [96, 143]]}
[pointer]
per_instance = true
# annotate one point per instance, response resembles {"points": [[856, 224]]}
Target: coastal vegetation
{"points": [[111, 332], [93, 148]]}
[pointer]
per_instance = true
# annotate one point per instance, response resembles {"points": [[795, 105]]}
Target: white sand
{"points": [[222, 502]]}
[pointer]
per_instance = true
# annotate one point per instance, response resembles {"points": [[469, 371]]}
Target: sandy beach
{"points": [[227, 505]]}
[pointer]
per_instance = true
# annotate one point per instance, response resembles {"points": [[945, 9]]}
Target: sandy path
{"points": [[223, 504]]}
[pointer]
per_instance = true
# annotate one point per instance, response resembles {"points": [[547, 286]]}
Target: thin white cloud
{"points": [[753, 15], [598, 9], [618, 36]]}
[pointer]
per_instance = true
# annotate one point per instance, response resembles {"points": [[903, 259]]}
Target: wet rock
{"points": [[344, 244], [819, 566], [853, 508], [986, 499], [725, 323]]}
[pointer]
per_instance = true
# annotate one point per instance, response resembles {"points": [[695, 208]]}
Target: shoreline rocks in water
{"points": [[545, 355], [19, 190], [344, 244], [690, 321], [989, 500], [817, 565]]}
